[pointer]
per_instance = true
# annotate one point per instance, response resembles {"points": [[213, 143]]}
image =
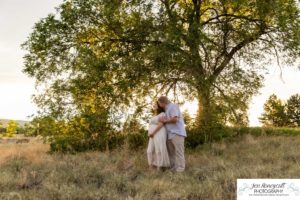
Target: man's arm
{"points": [[174, 116], [171, 120]]}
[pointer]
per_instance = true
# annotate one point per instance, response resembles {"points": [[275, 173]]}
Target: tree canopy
{"points": [[279, 113], [293, 110], [274, 112], [98, 56]]}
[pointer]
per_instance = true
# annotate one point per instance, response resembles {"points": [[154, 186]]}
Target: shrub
{"points": [[72, 144], [65, 144], [194, 138], [11, 128], [259, 131], [137, 139], [2, 130], [199, 136]]}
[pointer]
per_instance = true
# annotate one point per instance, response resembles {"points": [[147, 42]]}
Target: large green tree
{"points": [[274, 112], [108, 55], [293, 110]]}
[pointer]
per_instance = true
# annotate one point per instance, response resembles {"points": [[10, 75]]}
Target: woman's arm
{"points": [[158, 127]]}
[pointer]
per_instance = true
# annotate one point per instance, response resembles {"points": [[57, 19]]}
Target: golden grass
{"points": [[28, 172], [34, 151]]}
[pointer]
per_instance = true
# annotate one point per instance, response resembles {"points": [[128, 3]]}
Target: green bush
{"points": [[199, 136], [196, 137], [282, 131], [116, 140], [65, 144], [259, 131], [71, 144], [137, 140], [2, 130]]}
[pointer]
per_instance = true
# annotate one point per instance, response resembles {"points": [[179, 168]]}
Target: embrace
{"points": [[166, 136]]}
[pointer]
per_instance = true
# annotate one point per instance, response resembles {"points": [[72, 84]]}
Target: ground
{"points": [[28, 171]]}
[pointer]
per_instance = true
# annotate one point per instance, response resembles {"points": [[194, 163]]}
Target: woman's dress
{"points": [[157, 152]]}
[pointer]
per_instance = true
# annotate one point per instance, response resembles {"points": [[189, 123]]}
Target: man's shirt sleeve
{"points": [[174, 112]]}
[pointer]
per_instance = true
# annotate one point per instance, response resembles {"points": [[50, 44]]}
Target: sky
{"points": [[17, 18]]}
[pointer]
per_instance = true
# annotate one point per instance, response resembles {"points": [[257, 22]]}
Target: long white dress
{"points": [[157, 152]]}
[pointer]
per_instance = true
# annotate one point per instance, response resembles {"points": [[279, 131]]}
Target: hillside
{"points": [[20, 122]]}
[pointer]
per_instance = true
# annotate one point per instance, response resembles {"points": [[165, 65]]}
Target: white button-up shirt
{"points": [[178, 128]]}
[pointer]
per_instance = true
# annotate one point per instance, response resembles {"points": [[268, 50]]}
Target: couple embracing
{"points": [[166, 136]]}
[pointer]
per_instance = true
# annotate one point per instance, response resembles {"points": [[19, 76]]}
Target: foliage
{"points": [[29, 129], [77, 134], [2, 129], [293, 110], [135, 134], [274, 112], [137, 140], [277, 113], [11, 128], [109, 56], [188, 120], [196, 138]]}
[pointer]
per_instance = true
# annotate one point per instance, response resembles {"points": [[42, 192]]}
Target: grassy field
{"points": [[27, 171]]}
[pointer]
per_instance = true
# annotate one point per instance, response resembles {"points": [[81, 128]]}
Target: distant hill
{"points": [[20, 122]]}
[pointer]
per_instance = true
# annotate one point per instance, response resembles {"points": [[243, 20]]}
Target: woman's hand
{"points": [[151, 135], [162, 119], [158, 127]]}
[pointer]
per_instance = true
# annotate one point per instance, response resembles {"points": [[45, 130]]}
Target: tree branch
{"points": [[228, 56], [230, 15], [227, 100]]}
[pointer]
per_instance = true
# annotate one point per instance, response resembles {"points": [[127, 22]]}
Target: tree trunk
{"points": [[204, 117]]}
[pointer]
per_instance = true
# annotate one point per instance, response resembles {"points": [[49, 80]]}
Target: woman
{"points": [[157, 148]]}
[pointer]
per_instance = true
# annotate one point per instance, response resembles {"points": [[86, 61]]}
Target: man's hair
{"points": [[164, 99]]}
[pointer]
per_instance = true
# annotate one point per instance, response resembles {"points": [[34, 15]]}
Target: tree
{"points": [[1, 127], [293, 110], [188, 120], [11, 128], [274, 112], [122, 52]]}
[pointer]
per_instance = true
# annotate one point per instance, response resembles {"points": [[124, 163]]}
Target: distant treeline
{"points": [[21, 123], [12, 127], [281, 113]]}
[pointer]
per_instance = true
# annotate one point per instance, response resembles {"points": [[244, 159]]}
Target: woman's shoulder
{"points": [[162, 114]]}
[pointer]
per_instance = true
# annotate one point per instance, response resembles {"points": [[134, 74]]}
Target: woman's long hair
{"points": [[159, 109]]}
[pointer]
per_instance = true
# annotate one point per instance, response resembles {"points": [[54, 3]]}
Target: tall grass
{"points": [[27, 171]]}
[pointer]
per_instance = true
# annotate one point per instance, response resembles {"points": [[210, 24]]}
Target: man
{"points": [[176, 133]]}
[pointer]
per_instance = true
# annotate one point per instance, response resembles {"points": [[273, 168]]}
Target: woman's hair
{"points": [[159, 109], [164, 99]]}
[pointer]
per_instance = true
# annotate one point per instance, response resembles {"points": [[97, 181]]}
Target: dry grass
{"points": [[34, 152], [28, 172]]}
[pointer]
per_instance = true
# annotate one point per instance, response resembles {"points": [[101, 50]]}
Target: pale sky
{"points": [[17, 17]]}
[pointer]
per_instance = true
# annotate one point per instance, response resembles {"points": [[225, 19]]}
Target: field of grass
{"points": [[27, 171]]}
